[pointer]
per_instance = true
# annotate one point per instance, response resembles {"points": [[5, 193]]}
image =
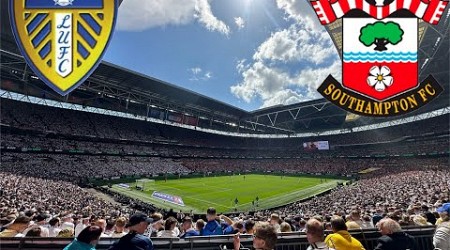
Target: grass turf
{"points": [[220, 192]]}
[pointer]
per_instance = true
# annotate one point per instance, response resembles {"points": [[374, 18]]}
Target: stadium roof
{"points": [[117, 88]]}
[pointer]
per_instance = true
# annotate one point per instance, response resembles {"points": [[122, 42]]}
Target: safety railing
{"points": [[286, 241]]}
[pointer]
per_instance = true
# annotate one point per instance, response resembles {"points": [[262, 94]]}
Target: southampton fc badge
{"points": [[379, 55], [63, 41]]}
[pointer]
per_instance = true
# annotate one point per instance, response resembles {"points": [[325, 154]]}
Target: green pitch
{"points": [[221, 192]]}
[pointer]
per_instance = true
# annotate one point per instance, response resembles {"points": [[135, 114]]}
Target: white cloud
{"points": [[240, 22], [296, 44], [196, 70], [208, 75], [288, 67], [300, 10], [204, 15], [197, 74], [260, 80], [275, 86], [138, 15]]}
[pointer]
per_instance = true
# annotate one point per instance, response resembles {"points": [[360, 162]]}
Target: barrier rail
{"points": [[286, 241]]}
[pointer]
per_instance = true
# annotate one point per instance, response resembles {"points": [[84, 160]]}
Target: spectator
{"points": [[430, 216], [119, 228], [230, 226], [17, 227], [265, 237], [86, 240], [67, 223], [54, 229], [66, 233], [169, 228], [134, 240], [315, 235], [285, 227], [341, 239], [156, 226], [81, 225], [41, 221], [34, 231], [393, 238], [212, 227], [102, 224], [249, 227], [199, 225], [187, 228], [275, 221], [354, 221], [441, 238]]}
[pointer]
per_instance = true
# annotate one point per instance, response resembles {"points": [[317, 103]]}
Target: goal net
{"points": [[143, 184]]}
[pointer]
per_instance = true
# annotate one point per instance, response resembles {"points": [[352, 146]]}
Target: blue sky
{"points": [[248, 53]]}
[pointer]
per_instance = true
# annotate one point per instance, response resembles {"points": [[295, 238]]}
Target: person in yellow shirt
{"points": [[341, 239]]}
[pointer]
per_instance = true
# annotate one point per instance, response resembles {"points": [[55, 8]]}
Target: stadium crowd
{"points": [[38, 196], [412, 199]]}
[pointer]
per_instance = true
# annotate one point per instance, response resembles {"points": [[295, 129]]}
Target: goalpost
{"points": [[142, 184]]}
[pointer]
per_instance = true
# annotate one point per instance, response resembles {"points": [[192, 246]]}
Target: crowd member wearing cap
{"points": [[188, 230], [315, 235], [265, 237], [137, 224], [86, 240], [17, 228], [441, 238], [393, 238]]}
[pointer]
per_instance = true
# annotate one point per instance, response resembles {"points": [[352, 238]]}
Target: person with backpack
{"points": [[135, 240]]}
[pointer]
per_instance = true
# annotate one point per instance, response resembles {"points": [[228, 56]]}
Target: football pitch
{"points": [[252, 192]]}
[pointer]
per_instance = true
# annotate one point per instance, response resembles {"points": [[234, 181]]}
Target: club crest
{"points": [[63, 41], [380, 55]]}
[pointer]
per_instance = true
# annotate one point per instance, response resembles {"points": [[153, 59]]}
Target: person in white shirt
{"points": [[54, 229], [81, 225], [67, 222], [169, 228]]}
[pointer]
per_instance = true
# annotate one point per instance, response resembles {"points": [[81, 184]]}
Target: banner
{"points": [[169, 198], [317, 145]]}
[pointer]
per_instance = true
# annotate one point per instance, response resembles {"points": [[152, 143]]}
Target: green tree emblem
{"points": [[381, 34]]}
